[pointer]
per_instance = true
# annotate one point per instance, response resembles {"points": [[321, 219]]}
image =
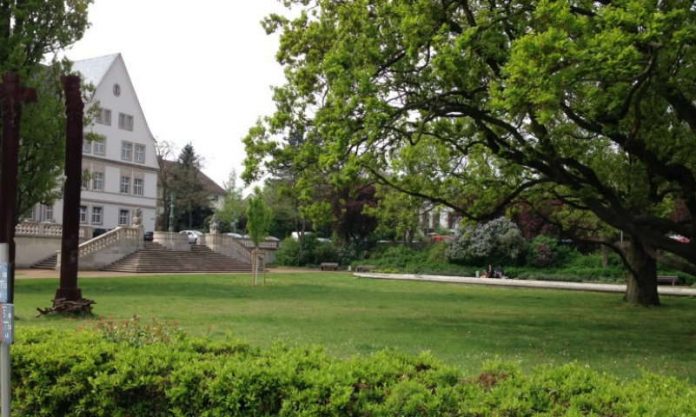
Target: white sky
{"points": [[202, 70]]}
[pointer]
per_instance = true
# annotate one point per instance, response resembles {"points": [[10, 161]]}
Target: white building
{"points": [[121, 168]]}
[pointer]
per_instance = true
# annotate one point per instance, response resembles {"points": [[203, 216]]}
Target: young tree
{"points": [[473, 104], [233, 207], [259, 217]]}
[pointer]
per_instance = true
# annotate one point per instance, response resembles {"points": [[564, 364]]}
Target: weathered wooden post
{"points": [[13, 95], [74, 111]]}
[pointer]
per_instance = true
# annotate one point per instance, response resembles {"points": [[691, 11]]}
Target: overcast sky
{"points": [[202, 69]]}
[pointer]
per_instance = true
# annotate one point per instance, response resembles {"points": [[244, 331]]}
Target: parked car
{"points": [[148, 236], [192, 235]]}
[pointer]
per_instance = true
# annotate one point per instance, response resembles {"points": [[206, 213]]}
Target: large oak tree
{"points": [[475, 104]]}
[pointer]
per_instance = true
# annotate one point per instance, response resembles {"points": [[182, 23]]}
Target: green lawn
{"points": [[462, 325]]}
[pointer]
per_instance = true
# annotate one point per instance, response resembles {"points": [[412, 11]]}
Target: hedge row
{"points": [[92, 373]]}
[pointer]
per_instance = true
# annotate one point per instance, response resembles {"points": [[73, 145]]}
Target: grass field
{"points": [[462, 325]]}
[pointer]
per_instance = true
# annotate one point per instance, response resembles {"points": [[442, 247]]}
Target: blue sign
{"points": [[4, 282], [7, 323]]}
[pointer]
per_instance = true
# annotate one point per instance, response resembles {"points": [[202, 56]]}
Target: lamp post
{"points": [[172, 196]]}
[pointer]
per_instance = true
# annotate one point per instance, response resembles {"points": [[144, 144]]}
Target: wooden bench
{"points": [[668, 279], [364, 268], [329, 266]]}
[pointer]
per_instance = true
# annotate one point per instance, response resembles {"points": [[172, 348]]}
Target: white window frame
{"points": [[99, 147], [125, 122], [124, 184], [86, 147], [98, 214], [103, 117], [124, 221], [98, 180], [84, 210], [126, 151], [139, 153], [46, 212], [138, 186]]}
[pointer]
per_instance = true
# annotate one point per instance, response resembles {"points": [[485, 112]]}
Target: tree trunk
{"points": [[641, 288]]}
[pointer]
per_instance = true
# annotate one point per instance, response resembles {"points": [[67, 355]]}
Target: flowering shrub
{"points": [[498, 241]]}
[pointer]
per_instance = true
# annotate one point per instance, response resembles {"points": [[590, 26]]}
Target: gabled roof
{"points": [[93, 70]]}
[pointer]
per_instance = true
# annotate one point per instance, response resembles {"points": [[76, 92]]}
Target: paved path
{"points": [[554, 285]]}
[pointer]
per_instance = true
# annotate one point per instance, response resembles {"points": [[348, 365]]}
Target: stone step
{"points": [[156, 258], [48, 263]]}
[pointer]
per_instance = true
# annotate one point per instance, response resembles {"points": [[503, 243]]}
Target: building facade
{"points": [[120, 166]]}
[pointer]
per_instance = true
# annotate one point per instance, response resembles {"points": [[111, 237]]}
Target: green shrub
{"points": [[85, 374], [545, 251], [309, 251]]}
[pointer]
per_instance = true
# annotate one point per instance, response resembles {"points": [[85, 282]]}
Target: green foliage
{"points": [[496, 242], [135, 332], [405, 259], [33, 31], [307, 251], [233, 206], [545, 251], [259, 217], [476, 105], [84, 374]]}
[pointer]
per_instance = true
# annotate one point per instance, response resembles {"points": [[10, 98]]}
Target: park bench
{"points": [[364, 268], [329, 266], [667, 279]]}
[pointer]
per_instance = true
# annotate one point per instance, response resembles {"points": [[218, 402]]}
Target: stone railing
{"points": [[271, 244], [34, 229], [229, 246], [123, 236]]}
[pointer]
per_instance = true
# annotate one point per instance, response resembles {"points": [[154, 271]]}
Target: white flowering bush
{"points": [[498, 241]]}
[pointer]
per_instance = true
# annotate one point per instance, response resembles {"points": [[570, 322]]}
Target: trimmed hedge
{"points": [[93, 373]]}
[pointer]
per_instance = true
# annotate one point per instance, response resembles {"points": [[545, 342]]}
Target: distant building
{"points": [[121, 169]]}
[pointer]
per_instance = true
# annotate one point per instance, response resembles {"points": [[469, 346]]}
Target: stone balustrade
{"points": [[106, 249], [35, 229]]}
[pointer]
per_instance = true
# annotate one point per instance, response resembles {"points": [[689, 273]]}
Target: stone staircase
{"points": [[156, 258], [48, 263]]}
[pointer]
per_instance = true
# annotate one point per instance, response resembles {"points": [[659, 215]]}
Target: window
{"points": [[99, 147], [83, 214], [138, 186], [97, 215], [126, 151], [124, 217], [104, 117], [140, 153], [125, 121], [125, 184], [117, 90], [97, 181], [45, 213], [86, 147]]}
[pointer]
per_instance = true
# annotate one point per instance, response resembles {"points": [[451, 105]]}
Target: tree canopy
{"points": [[476, 104], [29, 32]]}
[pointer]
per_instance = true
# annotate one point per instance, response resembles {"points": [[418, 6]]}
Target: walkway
{"points": [[552, 285]]}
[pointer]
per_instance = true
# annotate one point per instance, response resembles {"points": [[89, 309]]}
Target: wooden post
{"points": [[74, 111]]}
